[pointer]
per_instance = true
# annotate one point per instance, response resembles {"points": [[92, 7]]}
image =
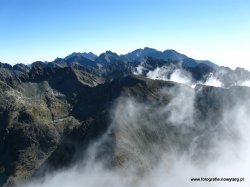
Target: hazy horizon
{"points": [[43, 30]]}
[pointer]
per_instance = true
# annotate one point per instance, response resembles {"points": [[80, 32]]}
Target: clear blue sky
{"points": [[218, 30]]}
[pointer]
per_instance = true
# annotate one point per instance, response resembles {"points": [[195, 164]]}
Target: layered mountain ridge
{"points": [[52, 112], [108, 65]]}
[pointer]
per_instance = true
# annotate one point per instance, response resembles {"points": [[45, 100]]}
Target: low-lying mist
{"points": [[182, 76], [166, 143], [219, 78]]}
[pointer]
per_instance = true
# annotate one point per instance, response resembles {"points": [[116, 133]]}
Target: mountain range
{"points": [[52, 112], [108, 65]]}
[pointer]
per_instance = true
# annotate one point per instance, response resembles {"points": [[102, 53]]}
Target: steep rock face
{"points": [[36, 113], [34, 118]]}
